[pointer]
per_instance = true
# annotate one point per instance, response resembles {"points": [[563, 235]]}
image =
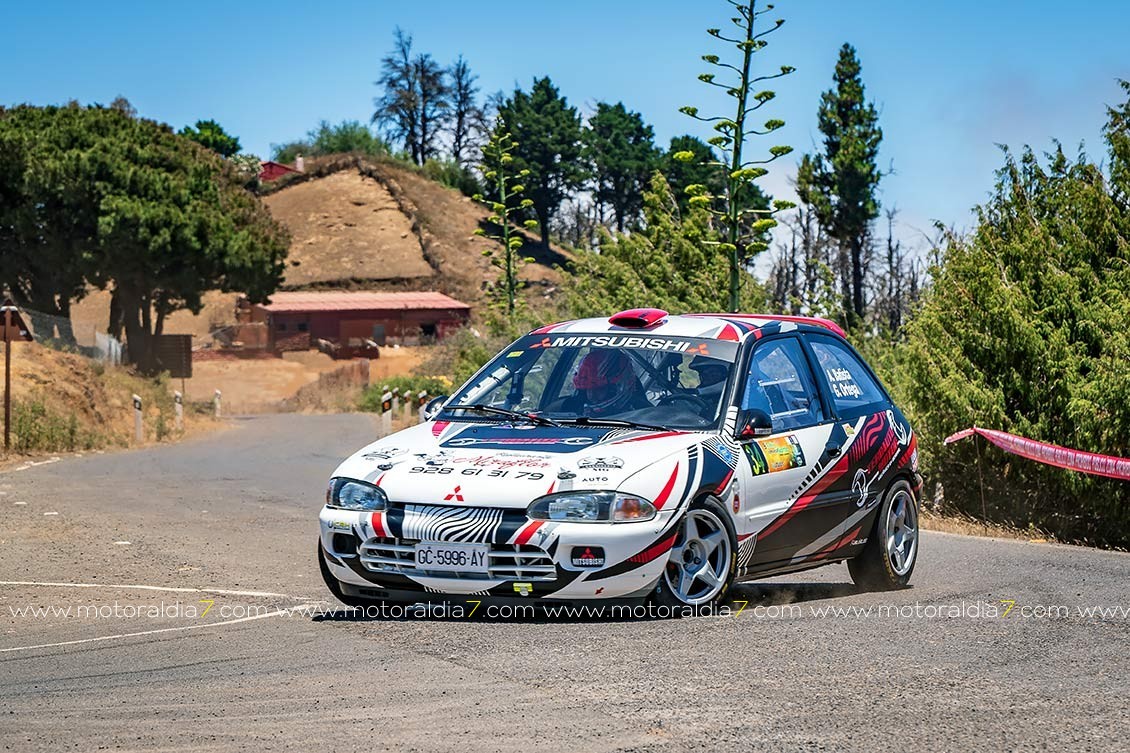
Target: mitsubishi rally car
{"points": [[644, 456]]}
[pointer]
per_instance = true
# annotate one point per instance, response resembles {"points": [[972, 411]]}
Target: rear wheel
{"points": [[888, 559], [703, 560]]}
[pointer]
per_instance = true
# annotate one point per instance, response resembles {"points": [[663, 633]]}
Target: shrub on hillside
{"points": [[1024, 330]]}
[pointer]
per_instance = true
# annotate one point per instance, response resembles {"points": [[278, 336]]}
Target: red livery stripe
{"points": [[661, 435], [666, 491], [528, 532], [378, 523], [729, 332], [806, 499], [724, 483], [660, 548]]}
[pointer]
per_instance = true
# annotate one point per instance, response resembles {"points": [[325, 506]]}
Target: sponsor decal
{"points": [[455, 496], [537, 439], [588, 556], [341, 525], [737, 502], [757, 462], [902, 433], [860, 486], [383, 453], [624, 341], [570, 441], [515, 353], [773, 455], [782, 453], [600, 464], [494, 461]]}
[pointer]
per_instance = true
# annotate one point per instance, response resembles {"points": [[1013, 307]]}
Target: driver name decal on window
{"points": [[843, 383], [624, 341]]}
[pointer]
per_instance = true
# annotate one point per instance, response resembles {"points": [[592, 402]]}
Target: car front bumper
{"points": [[369, 556]]}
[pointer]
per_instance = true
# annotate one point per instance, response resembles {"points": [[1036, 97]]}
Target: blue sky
{"points": [[951, 79]]}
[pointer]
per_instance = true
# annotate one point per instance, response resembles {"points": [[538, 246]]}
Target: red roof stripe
{"points": [[358, 301]]}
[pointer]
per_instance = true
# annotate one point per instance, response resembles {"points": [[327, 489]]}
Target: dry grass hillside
{"points": [[360, 224], [64, 402], [345, 235], [347, 226]]}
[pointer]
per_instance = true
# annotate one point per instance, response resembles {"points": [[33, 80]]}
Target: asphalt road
{"points": [[236, 512]]}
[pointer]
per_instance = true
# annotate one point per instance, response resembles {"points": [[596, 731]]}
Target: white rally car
{"points": [[641, 456]]}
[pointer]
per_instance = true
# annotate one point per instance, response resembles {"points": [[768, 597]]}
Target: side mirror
{"points": [[433, 407], [753, 424]]}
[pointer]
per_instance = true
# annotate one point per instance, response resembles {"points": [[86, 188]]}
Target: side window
{"points": [[781, 384], [853, 389]]}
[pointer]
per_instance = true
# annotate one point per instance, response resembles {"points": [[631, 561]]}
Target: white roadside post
{"points": [[138, 429], [217, 402], [395, 399], [422, 401], [178, 406], [386, 414], [408, 408]]}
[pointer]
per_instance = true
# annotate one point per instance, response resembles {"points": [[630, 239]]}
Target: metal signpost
{"points": [[14, 329]]}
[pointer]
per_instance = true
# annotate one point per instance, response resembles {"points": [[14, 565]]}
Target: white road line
{"points": [[220, 591], [276, 613]]}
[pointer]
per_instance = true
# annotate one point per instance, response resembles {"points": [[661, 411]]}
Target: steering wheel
{"points": [[696, 403]]}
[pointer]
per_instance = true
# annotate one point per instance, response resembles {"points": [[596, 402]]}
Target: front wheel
{"points": [[703, 560], [335, 587], [888, 559]]}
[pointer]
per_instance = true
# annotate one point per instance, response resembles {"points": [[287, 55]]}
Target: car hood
{"points": [[502, 465]]}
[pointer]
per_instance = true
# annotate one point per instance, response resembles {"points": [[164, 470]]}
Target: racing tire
{"points": [[335, 587], [888, 558], [703, 561]]}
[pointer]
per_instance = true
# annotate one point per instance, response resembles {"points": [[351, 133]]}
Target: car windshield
{"points": [[618, 379]]}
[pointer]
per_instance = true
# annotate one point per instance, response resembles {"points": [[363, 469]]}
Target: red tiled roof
{"points": [[358, 301]]}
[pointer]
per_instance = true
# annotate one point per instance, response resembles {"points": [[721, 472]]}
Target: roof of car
{"points": [[735, 327]]}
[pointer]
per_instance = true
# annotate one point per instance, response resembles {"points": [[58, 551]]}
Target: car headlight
{"points": [[591, 507], [348, 494]]}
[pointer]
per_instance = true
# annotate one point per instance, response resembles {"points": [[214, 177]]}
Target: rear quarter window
{"points": [[851, 387]]}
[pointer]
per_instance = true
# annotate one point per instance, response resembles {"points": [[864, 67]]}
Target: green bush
{"points": [[433, 385], [450, 174], [1024, 330], [36, 428]]}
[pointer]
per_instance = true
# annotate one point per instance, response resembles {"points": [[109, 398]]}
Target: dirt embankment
{"points": [[345, 234], [65, 402]]}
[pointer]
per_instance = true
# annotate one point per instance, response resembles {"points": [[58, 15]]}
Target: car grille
{"points": [[382, 554]]}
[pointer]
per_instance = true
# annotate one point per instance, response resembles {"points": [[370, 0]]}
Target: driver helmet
{"points": [[710, 371], [607, 379]]}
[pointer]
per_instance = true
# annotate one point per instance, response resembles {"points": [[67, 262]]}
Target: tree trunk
{"points": [[117, 323], [857, 277], [137, 322], [543, 225]]}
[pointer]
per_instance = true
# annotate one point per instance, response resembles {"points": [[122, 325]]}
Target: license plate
{"points": [[452, 557]]}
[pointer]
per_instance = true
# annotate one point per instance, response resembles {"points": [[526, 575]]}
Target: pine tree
{"points": [[842, 183], [620, 147], [547, 132]]}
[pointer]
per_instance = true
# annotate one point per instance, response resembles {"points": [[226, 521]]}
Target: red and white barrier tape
{"points": [[1050, 454]]}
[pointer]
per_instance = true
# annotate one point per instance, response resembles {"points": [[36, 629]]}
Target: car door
{"points": [[875, 438], [778, 468]]}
